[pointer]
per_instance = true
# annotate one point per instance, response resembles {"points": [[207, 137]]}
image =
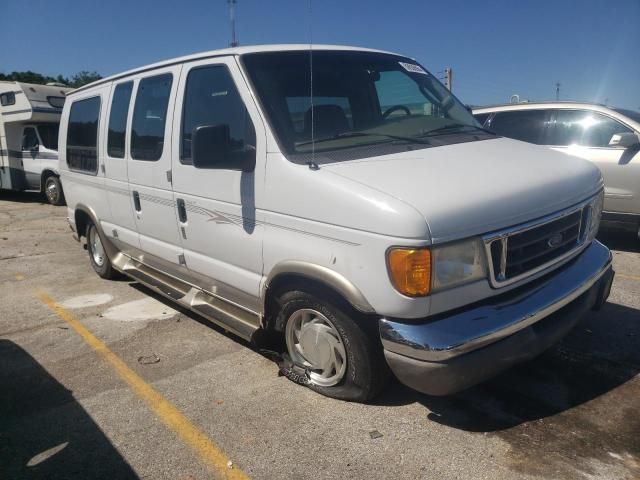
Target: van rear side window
{"points": [[82, 135], [118, 120], [149, 117]]}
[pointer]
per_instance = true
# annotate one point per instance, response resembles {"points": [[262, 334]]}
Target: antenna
{"points": [[312, 164], [558, 84], [232, 18]]}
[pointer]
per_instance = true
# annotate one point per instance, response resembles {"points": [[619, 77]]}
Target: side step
{"points": [[226, 315]]}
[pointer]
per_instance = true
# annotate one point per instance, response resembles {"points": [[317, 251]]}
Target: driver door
{"points": [[31, 162]]}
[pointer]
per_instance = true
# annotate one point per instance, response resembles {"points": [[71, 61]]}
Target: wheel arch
{"points": [[290, 275], [82, 215]]}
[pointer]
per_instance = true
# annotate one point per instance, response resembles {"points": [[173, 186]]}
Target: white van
{"points": [[372, 223], [29, 119]]}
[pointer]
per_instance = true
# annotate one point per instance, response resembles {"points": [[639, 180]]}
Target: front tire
{"points": [[341, 357], [98, 255], [53, 191]]}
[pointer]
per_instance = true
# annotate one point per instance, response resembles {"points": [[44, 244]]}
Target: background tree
{"points": [[76, 81]]}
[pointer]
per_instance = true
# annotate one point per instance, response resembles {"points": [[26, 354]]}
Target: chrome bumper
{"points": [[447, 339]]}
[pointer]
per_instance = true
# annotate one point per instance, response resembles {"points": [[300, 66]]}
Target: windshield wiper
{"points": [[455, 126], [363, 134]]}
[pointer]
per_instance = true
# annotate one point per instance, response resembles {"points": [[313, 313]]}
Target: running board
{"points": [[226, 315]]}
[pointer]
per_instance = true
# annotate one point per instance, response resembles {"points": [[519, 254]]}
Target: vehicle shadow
{"points": [[22, 197], [618, 239], [44, 432], [599, 355]]}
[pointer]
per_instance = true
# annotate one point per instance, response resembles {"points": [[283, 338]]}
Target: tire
{"points": [[53, 190], [97, 254], [332, 327]]}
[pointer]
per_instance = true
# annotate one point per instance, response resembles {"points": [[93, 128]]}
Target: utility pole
{"points": [[558, 90], [448, 78], [232, 17]]}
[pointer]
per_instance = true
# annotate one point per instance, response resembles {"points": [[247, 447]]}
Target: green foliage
{"points": [[77, 80]]}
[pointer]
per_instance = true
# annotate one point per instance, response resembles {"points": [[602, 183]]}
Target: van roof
{"points": [[225, 52]]}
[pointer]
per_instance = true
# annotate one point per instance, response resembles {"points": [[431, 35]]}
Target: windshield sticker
{"points": [[411, 67]]}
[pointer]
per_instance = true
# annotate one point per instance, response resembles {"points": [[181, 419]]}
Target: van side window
{"points": [[211, 98], [149, 117], [82, 135], [118, 120]]}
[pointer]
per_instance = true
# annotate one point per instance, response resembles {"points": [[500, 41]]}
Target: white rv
{"points": [[373, 220], [29, 120]]}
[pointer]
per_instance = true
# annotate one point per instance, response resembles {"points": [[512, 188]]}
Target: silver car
{"points": [[609, 137]]}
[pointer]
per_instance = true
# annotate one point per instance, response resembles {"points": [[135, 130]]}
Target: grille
{"points": [[518, 253]]}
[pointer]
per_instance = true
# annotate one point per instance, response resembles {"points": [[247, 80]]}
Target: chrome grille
{"points": [[525, 250]]}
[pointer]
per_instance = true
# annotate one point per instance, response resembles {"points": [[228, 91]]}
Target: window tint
{"points": [[7, 99], [56, 102], [395, 89], [118, 120], [211, 98], [82, 135], [525, 125], [481, 117], [582, 127], [29, 139], [49, 135], [149, 117]]}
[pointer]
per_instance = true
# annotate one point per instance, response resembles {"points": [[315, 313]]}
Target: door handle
{"points": [[182, 211], [136, 201]]}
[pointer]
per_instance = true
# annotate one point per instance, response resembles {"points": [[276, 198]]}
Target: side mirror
{"points": [[625, 140], [212, 148]]}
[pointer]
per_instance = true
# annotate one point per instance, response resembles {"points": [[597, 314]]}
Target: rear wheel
{"points": [[53, 190], [340, 357], [97, 254]]}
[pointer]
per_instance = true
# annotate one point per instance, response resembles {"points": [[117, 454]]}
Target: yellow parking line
{"points": [[628, 277], [208, 451], [19, 277]]}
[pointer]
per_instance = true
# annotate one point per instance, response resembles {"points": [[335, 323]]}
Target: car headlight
{"points": [[458, 263], [416, 272], [596, 215]]}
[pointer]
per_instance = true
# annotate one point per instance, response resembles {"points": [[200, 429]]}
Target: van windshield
{"points": [[360, 99]]}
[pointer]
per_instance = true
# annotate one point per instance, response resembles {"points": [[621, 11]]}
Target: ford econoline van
{"points": [[342, 200]]}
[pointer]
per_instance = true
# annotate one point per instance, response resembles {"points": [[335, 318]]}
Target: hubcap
{"points": [[51, 191], [97, 251], [313, 342]]}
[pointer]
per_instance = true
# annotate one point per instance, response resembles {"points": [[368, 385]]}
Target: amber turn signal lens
{"points": [[410, 270]]}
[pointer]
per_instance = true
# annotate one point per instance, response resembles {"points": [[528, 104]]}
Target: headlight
{"points": [[458, 263], [415, 272], [596, 215]]}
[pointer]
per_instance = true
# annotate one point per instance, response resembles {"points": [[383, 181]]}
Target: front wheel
{"points": [[341, 357], [97, 254], [53, 191]]}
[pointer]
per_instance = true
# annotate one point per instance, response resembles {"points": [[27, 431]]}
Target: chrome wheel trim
{"points": [[51, 190], [314, 343], [97, 250]]}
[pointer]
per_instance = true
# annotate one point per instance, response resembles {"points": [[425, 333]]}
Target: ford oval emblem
{"points": [[554, 240]]}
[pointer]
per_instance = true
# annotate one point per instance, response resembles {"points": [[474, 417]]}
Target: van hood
{"points": [[474, 188]]}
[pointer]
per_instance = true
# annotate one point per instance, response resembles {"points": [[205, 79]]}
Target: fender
{"points": [[111, 251], [325, 275]]}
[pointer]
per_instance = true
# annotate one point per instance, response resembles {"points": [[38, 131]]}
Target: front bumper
{"points": [[453, 351]]}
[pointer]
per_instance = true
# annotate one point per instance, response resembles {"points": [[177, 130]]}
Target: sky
{"points": [[496, 48]]}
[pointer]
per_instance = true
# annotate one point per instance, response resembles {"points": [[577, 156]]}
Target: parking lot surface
{"points": [[103, 379]]}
